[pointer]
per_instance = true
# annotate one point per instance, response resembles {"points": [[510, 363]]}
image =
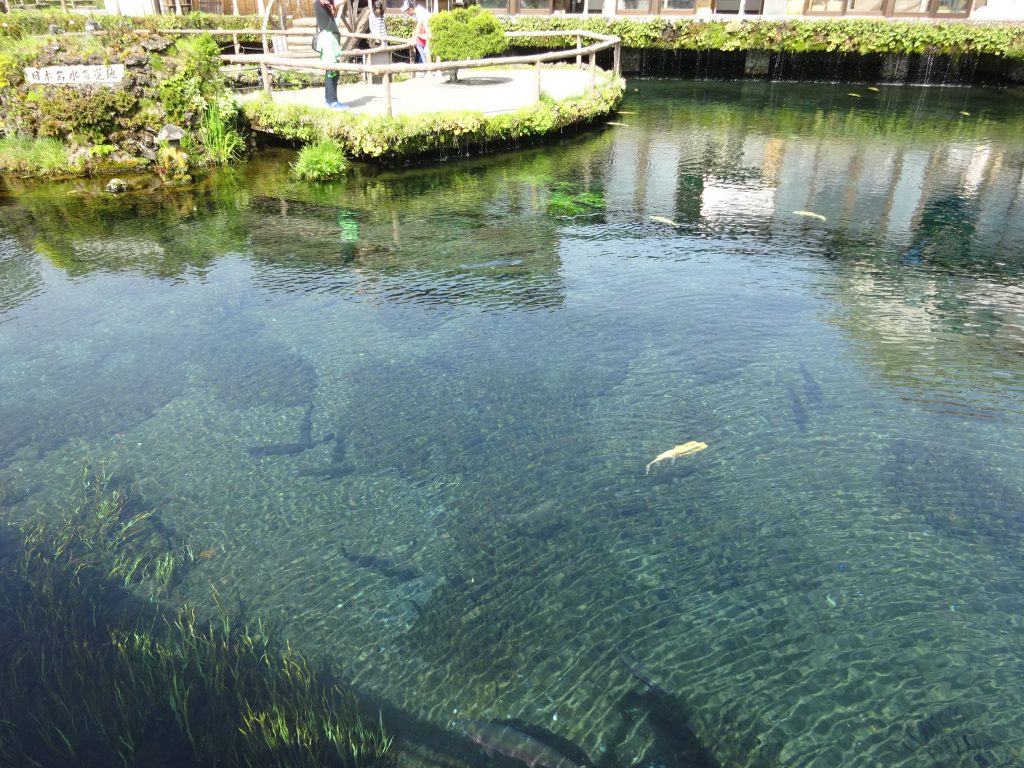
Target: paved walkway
{"points": [[490, 91]]}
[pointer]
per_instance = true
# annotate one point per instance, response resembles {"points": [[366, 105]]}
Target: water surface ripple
{"points": [[477, 361]]}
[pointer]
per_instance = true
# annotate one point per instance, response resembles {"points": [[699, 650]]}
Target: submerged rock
{"points": [[117, 186]]}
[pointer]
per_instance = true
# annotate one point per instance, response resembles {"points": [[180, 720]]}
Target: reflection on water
{"points": [[411, 413]]}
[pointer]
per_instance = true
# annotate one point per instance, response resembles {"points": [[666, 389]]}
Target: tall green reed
{"points": [[96, 676]]}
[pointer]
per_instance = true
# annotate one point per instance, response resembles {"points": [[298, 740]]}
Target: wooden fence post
{"points": [[387, 94], [537, 69], [593, 71], [617, 67], [265, 72], [579, 44]]}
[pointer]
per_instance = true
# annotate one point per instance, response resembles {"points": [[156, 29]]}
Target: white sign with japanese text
{"points": [[77, 74]]}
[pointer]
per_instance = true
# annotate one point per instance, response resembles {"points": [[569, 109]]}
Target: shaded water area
{"points": [[409, 414]]}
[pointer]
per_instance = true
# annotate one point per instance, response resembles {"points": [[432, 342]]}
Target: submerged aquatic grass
{"points": [[95, 679]]}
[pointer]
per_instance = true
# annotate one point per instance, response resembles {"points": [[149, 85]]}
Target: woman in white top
{"points": [[378, 26], [421, 28]]}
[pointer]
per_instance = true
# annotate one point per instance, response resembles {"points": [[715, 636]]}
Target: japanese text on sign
{"points": [[78, 74]]}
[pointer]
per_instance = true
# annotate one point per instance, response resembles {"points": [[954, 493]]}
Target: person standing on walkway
{"points": [[421, 29], [378, 26], [328, 43], [325, 12]]}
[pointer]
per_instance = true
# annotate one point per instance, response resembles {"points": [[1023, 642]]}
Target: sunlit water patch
{"points": [[409, 415]]}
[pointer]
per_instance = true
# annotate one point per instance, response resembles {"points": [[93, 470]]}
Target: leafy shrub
{"points": [[322, 160], [466, 33], [181, 97], [86, 116], [199, 56], [197, 77]]}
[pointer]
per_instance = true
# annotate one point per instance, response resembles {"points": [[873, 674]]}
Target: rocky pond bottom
{"points": [[409, 414]]}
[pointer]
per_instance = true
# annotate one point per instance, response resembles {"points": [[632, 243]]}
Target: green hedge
{"points": [[861, 36], [466, 33], [406, 136], [23, 23]]}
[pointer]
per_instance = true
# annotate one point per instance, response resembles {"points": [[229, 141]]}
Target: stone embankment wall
{"points": [[109, 125]]}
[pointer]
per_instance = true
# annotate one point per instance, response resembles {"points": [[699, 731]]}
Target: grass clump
{"points": [[104, 535], [95, 677], [34, 157], [220, 143], [321, 160]]}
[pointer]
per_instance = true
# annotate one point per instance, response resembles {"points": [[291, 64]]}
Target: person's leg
{"points": [[330, 87]]}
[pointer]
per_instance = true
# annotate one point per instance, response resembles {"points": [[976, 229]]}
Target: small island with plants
{"points": [[172, 112]]}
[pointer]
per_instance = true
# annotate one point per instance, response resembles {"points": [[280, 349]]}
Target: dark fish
{"points": [[306, 425], [812, 390], [913, 256], [799, 412], [381, 565], [286, 449], [942, 721], [493, 263], [338, 467], [641, 674], [11, 493], [506, 740], [292, 449]]}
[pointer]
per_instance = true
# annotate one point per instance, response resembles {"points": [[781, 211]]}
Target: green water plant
{"points": [[565, 200], [94, 677], [321, 160], [105, 534]]}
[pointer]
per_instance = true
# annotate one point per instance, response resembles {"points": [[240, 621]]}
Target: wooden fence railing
{"points": [[305, 60], [386, 72]]}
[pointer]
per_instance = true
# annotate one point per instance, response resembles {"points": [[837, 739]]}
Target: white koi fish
{"points": [[663, 220], [810, 215], [674, 453]]}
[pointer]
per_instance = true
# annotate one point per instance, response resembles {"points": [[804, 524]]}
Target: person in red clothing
{"points": [[421, 29]]}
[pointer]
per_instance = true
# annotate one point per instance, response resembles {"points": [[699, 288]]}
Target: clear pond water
{"points": [[410, 413]]}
